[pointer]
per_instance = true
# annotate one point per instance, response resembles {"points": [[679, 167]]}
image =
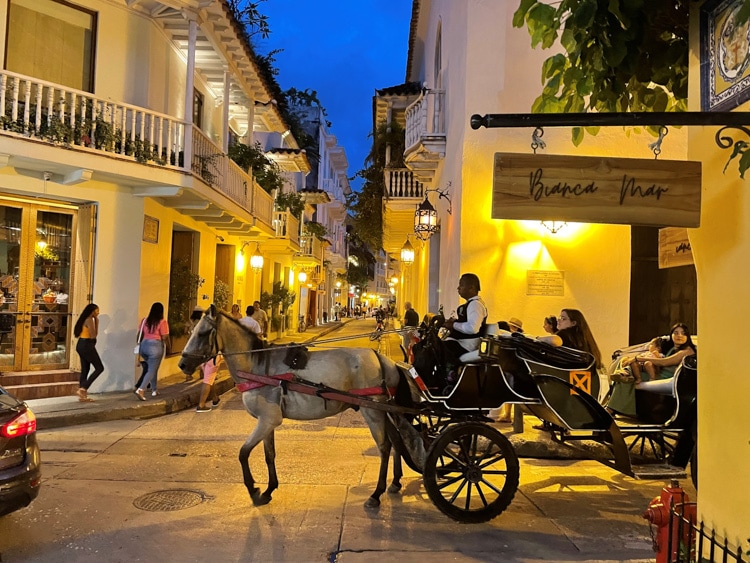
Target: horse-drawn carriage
{"points": [[470, 470]]}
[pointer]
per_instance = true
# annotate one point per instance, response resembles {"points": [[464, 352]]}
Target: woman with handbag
{"points": [[153, 345], [86, 330]]}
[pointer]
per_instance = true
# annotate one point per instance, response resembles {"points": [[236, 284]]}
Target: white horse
{"points": [[344, 369]]}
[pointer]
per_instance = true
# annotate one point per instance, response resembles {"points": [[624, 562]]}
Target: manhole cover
{"points": [[171, 499]]}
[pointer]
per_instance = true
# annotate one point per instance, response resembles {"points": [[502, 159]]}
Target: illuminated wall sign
{"points": [[545, 282], [674, 248], [586, 189]]}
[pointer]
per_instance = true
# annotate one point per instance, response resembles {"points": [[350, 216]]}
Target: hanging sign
{"points": [[587, 189], [674, 248]]}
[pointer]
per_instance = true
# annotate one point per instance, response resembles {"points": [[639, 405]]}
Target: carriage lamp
{"points": [[256, 260], [425, 220], [407, 253]]}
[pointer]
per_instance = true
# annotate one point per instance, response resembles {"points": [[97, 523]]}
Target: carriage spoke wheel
{"points": [[649, 445], [471, 472]]}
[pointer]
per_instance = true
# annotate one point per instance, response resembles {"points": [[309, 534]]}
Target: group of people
{"points": [[152, 344], [569, 329]]}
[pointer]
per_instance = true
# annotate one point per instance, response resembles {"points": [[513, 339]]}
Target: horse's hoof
{"points": [[394, 488], [372, 503], [261, 500]]}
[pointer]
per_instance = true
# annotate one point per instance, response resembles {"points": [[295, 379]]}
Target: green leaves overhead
{"points": [[619, 55]]}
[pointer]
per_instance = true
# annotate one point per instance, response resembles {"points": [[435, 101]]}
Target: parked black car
{"points": [[20, 471]]}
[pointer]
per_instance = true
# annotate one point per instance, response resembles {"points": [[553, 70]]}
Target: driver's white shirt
{"points": [[476, 312]]}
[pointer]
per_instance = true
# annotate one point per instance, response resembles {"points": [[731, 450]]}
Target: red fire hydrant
{"points": [[681, 533]]}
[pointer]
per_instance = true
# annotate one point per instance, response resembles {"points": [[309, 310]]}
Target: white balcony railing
{"points": [[425, 117], [311, 247], [48, 111], [286, 225], [402, 183], [262, 204]]}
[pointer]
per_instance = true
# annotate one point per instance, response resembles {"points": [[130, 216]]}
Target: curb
{"points": [[135, 410]]}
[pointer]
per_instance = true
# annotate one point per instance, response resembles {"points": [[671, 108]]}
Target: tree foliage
{"points": [[360, 270], [291, 201], [619, 55], [250, 18], [366, 205]]}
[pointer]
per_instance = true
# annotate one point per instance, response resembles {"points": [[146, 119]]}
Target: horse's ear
{"points": [[211, 311]]}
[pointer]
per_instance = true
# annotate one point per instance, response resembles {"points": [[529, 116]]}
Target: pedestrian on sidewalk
{"points": [[262, 318], [411, 322], [153, 346], [249, 322], [86, 330], [209, 370]]}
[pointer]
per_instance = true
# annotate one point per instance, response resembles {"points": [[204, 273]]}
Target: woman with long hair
{"points": [[575, 333], [86, 330], [155, 339], [649, 367]]}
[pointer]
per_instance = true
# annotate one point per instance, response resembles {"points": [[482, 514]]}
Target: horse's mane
{"points": [[255, 342]]}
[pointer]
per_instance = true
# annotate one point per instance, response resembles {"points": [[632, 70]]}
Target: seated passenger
{"points": [[574, 332], [678, 345], [466, 330], [550, 325]]}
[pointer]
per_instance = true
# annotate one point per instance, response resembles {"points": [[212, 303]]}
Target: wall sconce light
{"points": [[407, 253], [425, 220], [242, 248], [394, 280], [302, 276], [553, 226], [256, 260]]}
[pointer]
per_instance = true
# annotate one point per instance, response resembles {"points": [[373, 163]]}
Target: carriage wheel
{"points": [[471, 472], [659, 446]]}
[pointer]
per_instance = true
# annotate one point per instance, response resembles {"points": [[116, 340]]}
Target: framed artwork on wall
{"points": [[724, 56], [150, 229]]}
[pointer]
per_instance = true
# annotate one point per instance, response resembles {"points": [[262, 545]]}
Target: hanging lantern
{"points": [[425, 220], [407, 253], [302, 277], [256, 260]]}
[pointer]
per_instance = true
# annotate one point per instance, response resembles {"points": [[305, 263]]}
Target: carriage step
{"points": [[658, 471]]}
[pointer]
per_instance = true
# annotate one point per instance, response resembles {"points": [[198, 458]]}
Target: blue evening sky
{"points": [[343, 49]]}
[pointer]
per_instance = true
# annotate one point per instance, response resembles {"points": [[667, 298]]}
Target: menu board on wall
{"points": [[545, 282], [674, 248]]}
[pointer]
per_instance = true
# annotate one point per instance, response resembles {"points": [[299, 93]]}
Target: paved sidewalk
{"points": [[175, 394]]}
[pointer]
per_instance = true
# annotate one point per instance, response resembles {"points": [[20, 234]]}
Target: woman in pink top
{"points": [[153, 345]]}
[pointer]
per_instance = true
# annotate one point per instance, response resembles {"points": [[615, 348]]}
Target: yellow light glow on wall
{"points": [[239, 262]]}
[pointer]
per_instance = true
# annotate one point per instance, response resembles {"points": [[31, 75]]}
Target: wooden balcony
{"points": [[404, 192], [35, 110], [425, 134], [310, 252]]}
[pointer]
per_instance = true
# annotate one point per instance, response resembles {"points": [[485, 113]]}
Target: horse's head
{"points": [[202, 344]]}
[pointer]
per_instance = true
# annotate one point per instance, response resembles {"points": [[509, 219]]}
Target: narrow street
{"points": [[170, 489]]}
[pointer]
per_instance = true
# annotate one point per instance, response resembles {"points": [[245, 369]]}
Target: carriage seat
{"points": [[491, 331]]}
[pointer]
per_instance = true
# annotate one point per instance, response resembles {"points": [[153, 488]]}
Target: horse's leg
{"points": [[269, 448], [261, 432], [376, 422], [398, 472]]}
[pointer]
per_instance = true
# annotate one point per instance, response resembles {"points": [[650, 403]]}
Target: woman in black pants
{"points": [[86, 330]]}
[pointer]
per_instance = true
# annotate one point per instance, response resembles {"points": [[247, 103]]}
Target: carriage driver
{"points": [[470, 326]]}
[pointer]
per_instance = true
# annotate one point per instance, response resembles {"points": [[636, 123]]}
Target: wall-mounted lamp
{"points": [[256, 260], [425, 220], [425, 217], [407, 253], [242, 248], [553, 226], [302, 276]]}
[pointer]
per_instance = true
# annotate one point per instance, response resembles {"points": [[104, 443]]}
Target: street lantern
{"points": [[256, 260], [425, 220], [302, 277], [407, 253]]}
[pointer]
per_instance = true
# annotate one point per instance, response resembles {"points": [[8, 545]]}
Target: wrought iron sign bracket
{"points": [[728, 120]]}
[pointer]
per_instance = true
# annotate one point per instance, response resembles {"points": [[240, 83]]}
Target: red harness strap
{"points": [[255, 381]]}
